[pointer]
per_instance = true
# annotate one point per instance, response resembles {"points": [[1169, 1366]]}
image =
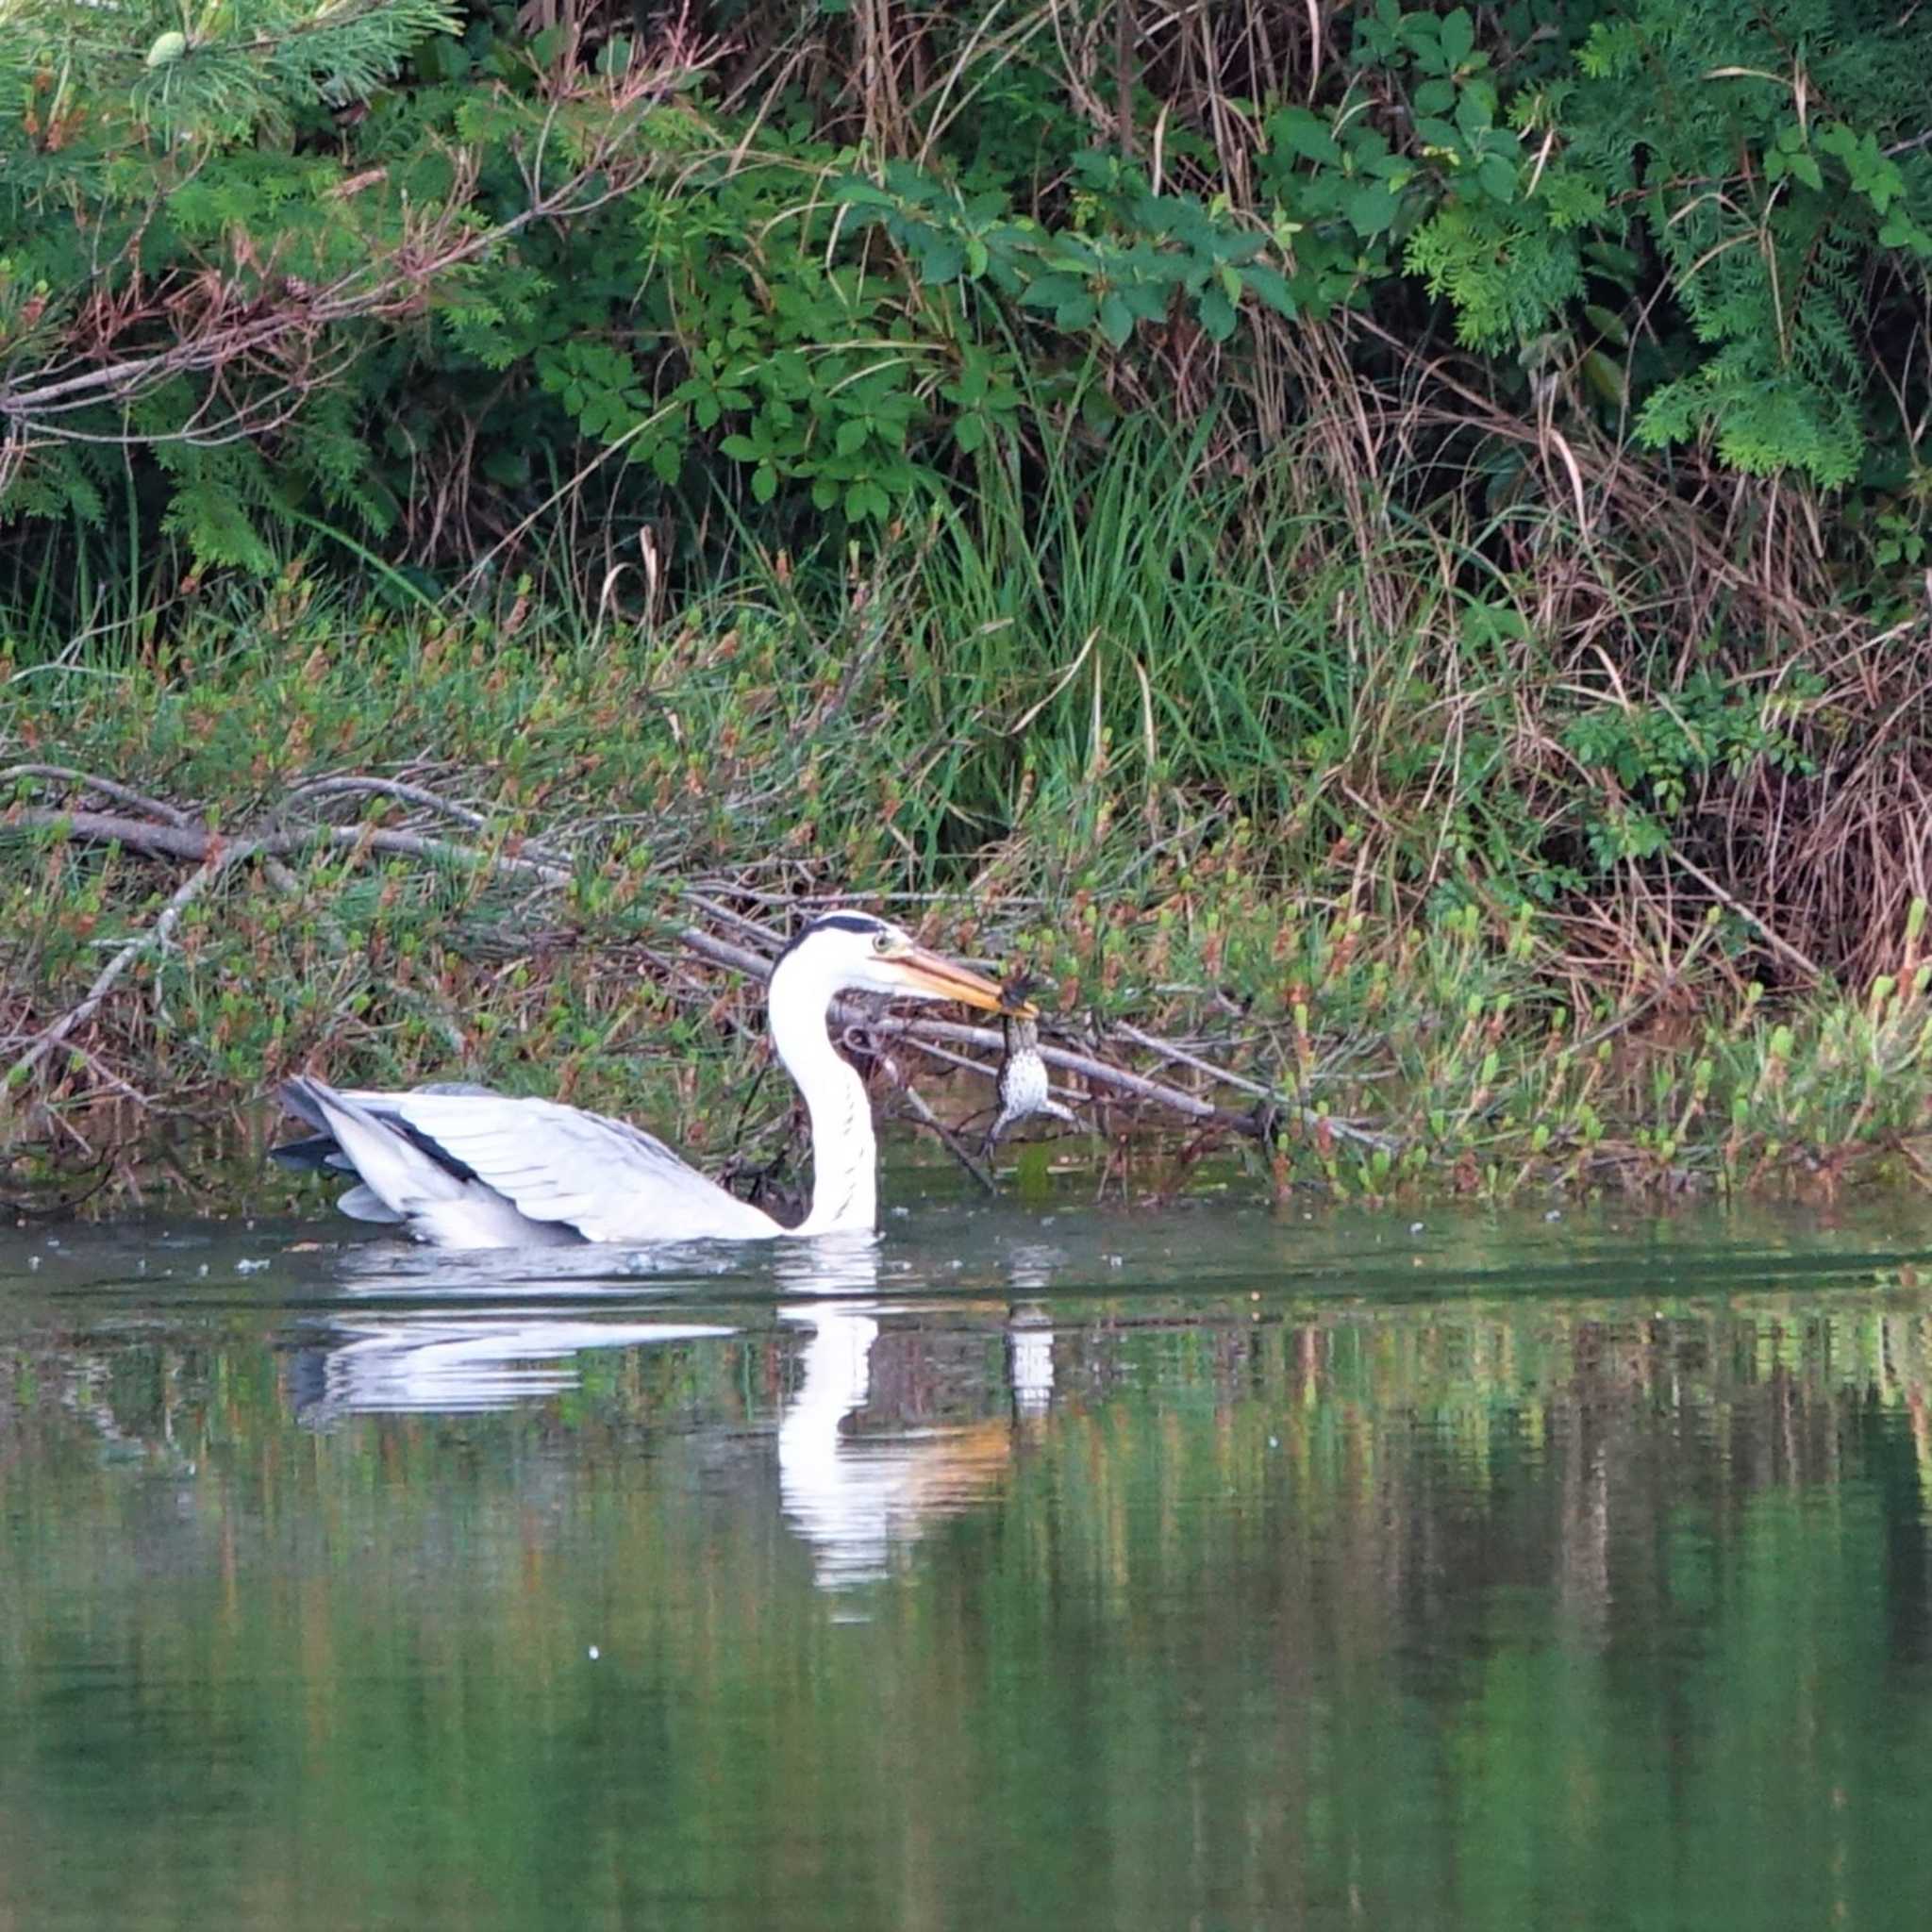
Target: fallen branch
{"points": [[1778, 944], [1257, 1122], [188, 841], [357, 786], [77, 1015], [108, 788], [921, 1112]]}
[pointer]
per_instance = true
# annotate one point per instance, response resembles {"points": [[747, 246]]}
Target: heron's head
{"points": [[853, 951]]}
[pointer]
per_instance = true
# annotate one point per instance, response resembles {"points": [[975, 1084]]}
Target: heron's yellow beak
{"points": [[939, 978]]}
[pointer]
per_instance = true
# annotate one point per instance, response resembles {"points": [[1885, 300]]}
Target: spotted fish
{"points": [[1023, 1082]]}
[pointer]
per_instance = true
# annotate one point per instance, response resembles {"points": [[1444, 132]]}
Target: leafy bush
{"points": [[1479, 410], [408, 269]]}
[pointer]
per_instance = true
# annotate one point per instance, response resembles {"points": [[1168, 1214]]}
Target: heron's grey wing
{"points": [[610, 1181]]}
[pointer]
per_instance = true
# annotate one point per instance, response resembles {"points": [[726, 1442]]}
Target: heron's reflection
{"points": [[431, 1349], [856, 1495], [856, 1481], [485, 1358]]}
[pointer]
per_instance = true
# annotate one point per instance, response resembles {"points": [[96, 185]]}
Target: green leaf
{"points": [[1371, 208], [1076, 312], [1052, 290], [1304, 134], [1900, 231], [1271, 287], [1459, 37], [1423, 34], [1476, 111], [1497, 173], [764, 483], [942, 259], [853, 193], [1116, 320], [1217, 314], [1605, 377], [1607, 324]]}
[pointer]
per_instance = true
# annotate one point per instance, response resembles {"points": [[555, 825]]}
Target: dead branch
{"points": [[191, 888], [108, 788], [184, 840], [356, 784], [218, 319], [923, 1115], [1783, 947]]}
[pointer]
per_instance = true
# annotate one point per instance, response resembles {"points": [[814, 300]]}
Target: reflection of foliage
{"points": [[1411, 1600]]}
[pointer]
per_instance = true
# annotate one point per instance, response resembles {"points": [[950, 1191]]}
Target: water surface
{"points": [[1076, 1568]]}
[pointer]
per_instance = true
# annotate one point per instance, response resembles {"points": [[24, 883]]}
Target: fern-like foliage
{"points": [[163, 179], [1765, 165], [1750, 145]]}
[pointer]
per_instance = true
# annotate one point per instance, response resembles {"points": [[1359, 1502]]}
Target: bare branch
{"points": [[77, 1015], [108, 788], [187, 842]]}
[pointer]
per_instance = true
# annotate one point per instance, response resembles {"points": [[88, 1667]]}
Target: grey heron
{"points": [[466, 1167]]}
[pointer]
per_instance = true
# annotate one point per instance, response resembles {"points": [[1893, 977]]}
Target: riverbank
{"points": [[552, 857]]}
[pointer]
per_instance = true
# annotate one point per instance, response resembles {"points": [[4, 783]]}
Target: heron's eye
{"points": [[882, 943]]}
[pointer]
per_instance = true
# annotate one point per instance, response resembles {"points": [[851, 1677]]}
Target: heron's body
{"points": [[467, 1168]]}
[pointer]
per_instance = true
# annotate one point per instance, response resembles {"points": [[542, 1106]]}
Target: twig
{"points": [[191, 888], [1167, 1049], [1254, 1123], [108, 788], [1782, 946], [722, 953], [916, 1106], [356, 784], [165, 842], [185, 841], [727, 917]]}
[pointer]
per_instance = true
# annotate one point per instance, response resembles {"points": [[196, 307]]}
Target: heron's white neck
{"points": [[845, 1188]]}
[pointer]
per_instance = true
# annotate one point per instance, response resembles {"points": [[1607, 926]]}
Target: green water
{"points": [[1080, 1568]]}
